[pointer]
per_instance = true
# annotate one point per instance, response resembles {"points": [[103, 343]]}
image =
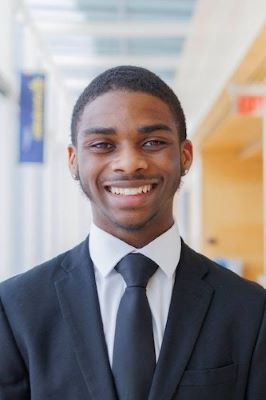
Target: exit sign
{"points": [[250, 104]]}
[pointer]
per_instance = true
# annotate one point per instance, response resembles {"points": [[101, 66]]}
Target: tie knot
{"points": [[136, 269]]}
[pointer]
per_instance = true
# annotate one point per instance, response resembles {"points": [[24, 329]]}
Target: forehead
{"points": [[117, 106]]}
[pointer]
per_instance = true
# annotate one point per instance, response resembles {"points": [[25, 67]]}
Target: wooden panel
{"points": [[235, 133], [233, 209]]}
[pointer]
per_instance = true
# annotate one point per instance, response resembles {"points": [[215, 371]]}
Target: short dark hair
{"points": [[129, 78]]}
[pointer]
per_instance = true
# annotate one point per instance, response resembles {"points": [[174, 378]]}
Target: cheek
{"points": [[91, 174], [171, 157], [172, 165]]}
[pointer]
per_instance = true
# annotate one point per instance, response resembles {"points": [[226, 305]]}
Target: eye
{"points": [[101, 147], [154, 143]]}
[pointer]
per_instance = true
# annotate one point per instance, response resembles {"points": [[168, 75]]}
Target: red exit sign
{"points": [[250, 104]]}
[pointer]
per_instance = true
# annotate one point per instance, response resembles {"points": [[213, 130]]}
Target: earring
{"points": [[75, 177], [185, 172]]}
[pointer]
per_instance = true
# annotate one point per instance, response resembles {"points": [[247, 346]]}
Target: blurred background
{"points": [[213, 55]]}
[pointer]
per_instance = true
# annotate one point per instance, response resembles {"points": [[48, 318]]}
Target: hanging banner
{"points": [[31, 131]]}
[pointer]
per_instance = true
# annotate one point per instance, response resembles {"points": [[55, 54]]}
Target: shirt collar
{"points": [[107, 250]]}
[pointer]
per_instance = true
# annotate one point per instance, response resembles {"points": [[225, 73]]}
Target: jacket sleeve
{"points": [[14, 383], [256, 387]]}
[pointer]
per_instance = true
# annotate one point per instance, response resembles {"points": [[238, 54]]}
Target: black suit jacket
{"points": [[53, 347]]}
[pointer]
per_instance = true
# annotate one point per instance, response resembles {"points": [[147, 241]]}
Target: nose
{"points": [[129, 160]]}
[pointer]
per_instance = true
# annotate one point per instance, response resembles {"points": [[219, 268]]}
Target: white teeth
{"points": [[145, 189], [130, 191]]}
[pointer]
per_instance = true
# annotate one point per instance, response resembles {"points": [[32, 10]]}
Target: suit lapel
{"points": [[190, 301], [77, 294]]}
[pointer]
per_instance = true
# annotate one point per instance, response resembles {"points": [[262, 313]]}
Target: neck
{"points": [[137, 238]]}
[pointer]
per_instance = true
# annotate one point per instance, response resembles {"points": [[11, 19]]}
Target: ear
{"points": [[72, 161], [186, 156]]}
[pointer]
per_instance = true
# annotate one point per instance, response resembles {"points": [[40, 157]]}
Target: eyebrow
{"points": [[111, 131], [154, 127], [98, 129]]}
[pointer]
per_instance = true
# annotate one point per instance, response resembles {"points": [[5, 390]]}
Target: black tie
{"points": [[134, 355]]}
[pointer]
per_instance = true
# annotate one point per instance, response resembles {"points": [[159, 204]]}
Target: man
{"points": [[78, 327]]}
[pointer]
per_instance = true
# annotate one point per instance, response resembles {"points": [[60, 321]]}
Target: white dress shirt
{"points": [[106, 251]]}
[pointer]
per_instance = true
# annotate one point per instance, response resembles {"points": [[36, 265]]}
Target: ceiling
{"points": [[85, 37]]}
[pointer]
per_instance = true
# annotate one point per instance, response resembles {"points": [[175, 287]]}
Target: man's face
{"points": [[129, 161]]}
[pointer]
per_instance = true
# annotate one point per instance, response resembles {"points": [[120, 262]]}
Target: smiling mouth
{"points": [[130, 191]]}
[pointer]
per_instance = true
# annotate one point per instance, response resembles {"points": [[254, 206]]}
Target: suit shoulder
{"points": [[224, 279], [36, 276], [229, 281], [46, 269]]}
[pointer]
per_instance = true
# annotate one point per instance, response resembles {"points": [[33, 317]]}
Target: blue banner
{"points": [[31, 132]]}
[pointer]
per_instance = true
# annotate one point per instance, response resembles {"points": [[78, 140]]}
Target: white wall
{"points": [[52, 215], [42, 211], [7, 138]]}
